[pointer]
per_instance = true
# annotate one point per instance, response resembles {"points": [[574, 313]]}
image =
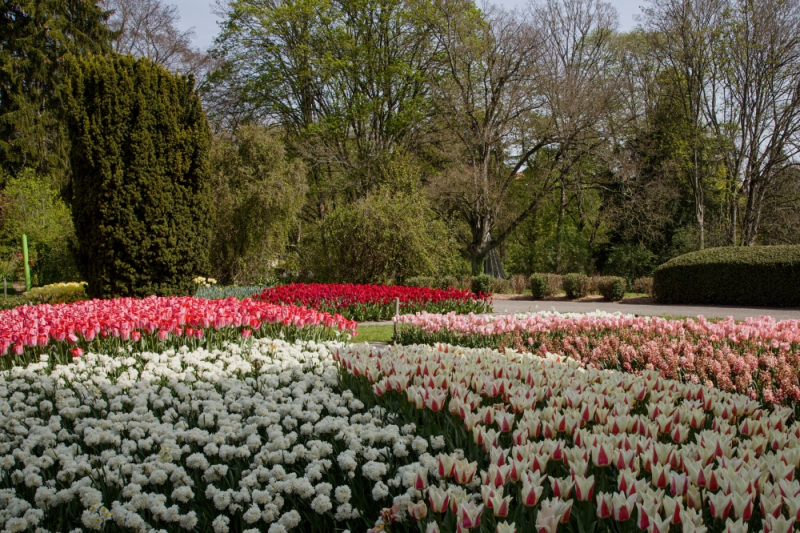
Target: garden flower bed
{"points": [[376, 302], [540, 444], [758, 357], [155, 323], [258, 437]]}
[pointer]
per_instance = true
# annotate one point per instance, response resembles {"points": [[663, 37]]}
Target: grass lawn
{"points": [[374, 334]]}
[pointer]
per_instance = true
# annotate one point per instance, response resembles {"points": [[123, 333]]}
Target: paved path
{"points": [[507, 307], [646, 309]]}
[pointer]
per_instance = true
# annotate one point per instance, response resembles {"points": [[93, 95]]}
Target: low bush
{"points": [[593, 286], [444, 282], [421, 281], [519, 284], [499, 286], [545, 285], [57, 293], [643, 286], [481, 284], [612, 287], [762, 275], [575, 285], [226, 291]]}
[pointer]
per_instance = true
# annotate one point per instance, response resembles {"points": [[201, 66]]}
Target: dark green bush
{"points": [[575, 285], [761, 275], [481, 284], [612, 287], [141, 195]]}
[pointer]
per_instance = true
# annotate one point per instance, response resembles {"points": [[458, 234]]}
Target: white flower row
{"points": [[258, 438]]}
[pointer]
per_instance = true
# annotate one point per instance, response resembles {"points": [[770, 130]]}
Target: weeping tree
{"points": [[141, 195]]}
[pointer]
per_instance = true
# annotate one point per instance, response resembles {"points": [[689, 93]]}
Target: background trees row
{"points": [[373, 140]]}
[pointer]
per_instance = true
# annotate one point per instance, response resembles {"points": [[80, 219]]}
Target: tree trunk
{"points": [[699, 203], [560, 228]]}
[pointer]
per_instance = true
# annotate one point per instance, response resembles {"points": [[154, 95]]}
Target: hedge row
{"points": [[762, 275]]}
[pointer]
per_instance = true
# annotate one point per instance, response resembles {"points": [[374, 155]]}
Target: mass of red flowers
{"points": [[376, 302], [92, 324]]}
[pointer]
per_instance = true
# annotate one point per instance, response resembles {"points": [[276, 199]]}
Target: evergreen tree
{"points": [[141, 191], [36, 38]]}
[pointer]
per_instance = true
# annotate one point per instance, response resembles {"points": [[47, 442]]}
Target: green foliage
{"points": [[34, 208], [575, 285], [345, 78], [761, 275], [258, 193], [630, 261], [219, 292], [612, 288], [431, 282], [388, 235], [141, 197], [421, 281], [481, 284], [36, 39], [545, 285]]}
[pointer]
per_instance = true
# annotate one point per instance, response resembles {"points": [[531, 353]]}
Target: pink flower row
{"points": [[759, 357]]}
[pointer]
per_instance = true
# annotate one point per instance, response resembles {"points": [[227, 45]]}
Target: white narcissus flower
{"points": [[380, 491], [343, 494], [220, 524], [321, 504]]}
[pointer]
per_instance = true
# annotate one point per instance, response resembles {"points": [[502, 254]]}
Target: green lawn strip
{"points": [[374, 334]]}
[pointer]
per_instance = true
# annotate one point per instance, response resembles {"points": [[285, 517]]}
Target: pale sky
{"points": [[198, 14]]}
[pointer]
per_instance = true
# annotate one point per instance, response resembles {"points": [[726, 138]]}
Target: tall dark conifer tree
{"points": [[141, 193], [36, 39]]}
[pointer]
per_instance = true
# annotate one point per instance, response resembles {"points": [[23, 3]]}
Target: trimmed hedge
{"points": [[575, 285], [612, 287], [762, 275]]}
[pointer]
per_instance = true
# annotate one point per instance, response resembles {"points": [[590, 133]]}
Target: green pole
{"points": [[25, 260]]}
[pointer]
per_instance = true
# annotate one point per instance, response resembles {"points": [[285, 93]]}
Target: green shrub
{"points": [[219, 292], [761, 275], [447, 282], [481, 284], [545, 285], [643, 286], [499, 286], [575, 285], [141, 195], [387, 235], [421, 281], [612, 287], [33, 206]]}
